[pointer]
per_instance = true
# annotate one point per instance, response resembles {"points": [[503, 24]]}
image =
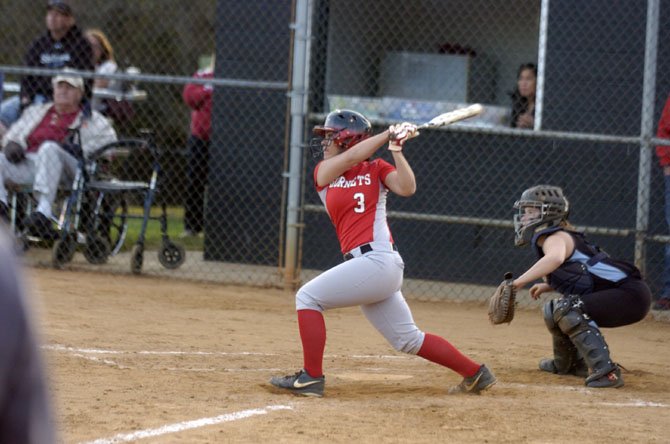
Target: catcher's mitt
{"points": [[503, 301]]}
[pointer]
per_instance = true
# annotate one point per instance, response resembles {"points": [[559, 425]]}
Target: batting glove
{"points": [[401, 133]]}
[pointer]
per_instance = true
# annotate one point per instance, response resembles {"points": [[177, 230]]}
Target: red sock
{"points": [[313, 335], [440, 351]]}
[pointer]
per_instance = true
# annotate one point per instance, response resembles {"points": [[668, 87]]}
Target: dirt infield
{"points": [[151, 360]]}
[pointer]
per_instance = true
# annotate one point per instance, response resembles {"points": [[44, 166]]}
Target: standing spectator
{"points": [[523, 97], [62, 45], [663, 154], [25, 408], [354, 191], [198, 97], [37, 150], [103, 59]]}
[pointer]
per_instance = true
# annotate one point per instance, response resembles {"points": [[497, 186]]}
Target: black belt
{"points": [[365, 248]]}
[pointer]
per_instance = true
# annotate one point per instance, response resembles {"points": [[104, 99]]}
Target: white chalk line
{"points": [[187, 425], [635, 403], [224, 370], [588, 392], [93, 351], [85, 353], [377, 357], [103, 361], [111, 363], [96, 351], [220, 370], [561, 388]]}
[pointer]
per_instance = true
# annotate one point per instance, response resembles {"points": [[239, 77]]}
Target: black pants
{"points": [[623, 305], [196, 181]]}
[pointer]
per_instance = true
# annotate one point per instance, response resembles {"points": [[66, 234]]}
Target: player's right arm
{"points": [[334, 167], [557, 247], [401, 181]]}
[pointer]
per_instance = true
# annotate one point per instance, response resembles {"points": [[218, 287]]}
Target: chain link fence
{"points": [[242, 205]]}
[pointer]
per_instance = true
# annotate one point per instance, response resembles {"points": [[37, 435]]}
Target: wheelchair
{"points": [[95, 214]]}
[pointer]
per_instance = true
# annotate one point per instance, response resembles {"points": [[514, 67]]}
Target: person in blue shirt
{"points": [[597, 290]]}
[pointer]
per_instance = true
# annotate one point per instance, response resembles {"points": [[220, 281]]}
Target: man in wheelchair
{"points": [[39, 151]]}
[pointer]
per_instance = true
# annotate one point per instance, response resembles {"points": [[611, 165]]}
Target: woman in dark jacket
{"points": [[523, 97]]}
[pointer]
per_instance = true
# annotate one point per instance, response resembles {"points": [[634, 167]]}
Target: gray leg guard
{"points": [[566, 357], [585, 335]]}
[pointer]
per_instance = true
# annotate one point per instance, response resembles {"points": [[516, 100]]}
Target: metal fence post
{"points": [[298, 95], [646, 132], [541, 62]]}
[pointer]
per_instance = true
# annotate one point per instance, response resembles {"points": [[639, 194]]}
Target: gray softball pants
{"points": [[373, 281]]}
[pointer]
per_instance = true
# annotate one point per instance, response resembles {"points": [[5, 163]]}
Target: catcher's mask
{"points": [[344, 127], [539, 207]]}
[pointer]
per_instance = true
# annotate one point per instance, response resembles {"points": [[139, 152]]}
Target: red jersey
{"points": [[663, 132], [199, 98], [53, 126], [356, 204]]}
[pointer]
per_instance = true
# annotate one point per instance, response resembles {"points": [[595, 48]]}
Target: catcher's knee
{"points": [[408, 343], [585, 335], [550, 322], [568, 316]]}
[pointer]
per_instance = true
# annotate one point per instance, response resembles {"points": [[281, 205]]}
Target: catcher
{"points": [[597, 290]]}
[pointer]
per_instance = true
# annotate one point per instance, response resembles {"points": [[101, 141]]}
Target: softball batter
{"points": [[354, 188]]}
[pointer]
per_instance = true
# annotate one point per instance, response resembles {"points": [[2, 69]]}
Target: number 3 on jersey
{"points": [[360, 208]]}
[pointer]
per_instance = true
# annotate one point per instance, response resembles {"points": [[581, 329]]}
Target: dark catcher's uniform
{"points": [[598, 291]]}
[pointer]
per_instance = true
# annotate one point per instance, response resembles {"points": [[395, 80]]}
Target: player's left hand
{"points": [[401, 133], [503, 301], [537, 289]]}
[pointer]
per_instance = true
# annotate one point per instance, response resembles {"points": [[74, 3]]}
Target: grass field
{"points": [[153, 235]]}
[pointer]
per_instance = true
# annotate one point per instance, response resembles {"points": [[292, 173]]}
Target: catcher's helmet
{"points": [[345, 127], [551, 207]]}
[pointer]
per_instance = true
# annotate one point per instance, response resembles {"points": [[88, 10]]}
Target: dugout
{"points": [[243, 209]]}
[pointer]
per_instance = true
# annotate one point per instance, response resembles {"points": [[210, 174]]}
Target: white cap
{"points": [[69, 78]]}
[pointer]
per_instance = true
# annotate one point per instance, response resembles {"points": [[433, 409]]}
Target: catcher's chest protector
{"points": [[576, 275]]}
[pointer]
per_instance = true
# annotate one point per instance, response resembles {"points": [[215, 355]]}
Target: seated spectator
{"points": [[62, 45], [198, 97], [103, 58], [523, 97], [38, 151]]}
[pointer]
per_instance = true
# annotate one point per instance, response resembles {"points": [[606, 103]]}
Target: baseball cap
{"points": [[61, 5], [70, 78]]}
